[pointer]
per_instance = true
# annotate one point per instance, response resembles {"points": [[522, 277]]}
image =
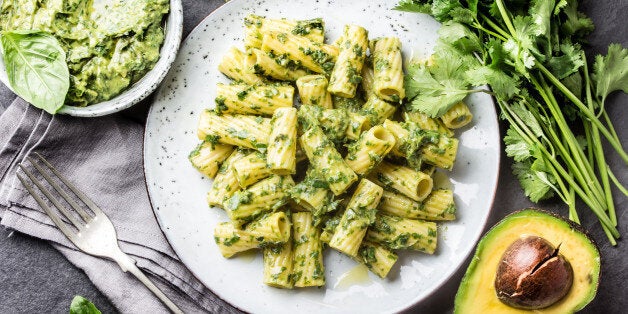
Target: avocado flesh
{"points": [[476, 293]]}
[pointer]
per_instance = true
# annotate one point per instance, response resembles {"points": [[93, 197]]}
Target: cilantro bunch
{"points": [[529, 53]]}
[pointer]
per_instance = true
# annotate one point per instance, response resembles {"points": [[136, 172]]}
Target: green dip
{"points": [[110, 44]]}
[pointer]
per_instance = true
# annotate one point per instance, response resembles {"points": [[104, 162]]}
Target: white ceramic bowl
{"points": [[142, 88]]}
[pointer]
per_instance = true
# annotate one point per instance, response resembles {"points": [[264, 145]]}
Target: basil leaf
{"points": [[80, 305], [36, 67]]}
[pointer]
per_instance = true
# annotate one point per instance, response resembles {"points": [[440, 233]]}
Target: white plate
{"points": [[177, 190]]}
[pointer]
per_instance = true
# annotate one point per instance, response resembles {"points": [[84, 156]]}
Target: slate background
{"points": [[35, 278]]}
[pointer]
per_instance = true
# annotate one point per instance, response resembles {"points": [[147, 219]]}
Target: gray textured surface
{"points": [[35, 278]]}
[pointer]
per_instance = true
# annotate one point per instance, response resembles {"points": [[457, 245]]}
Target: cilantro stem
{"points": [[521, 128], [598, 150], [614, 179], [585, 110], [494, 25], [505, 17], [488, 31], [574, 156]]}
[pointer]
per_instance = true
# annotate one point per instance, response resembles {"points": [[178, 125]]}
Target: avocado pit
{"points": [[532, 274]]}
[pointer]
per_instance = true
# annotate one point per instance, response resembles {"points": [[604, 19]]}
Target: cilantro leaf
{"points": [[534, 183], [441, 9], [610, 72], [503, 85], [516, 146], [432, 97], [413, 6], [574, 83], [460, 37], [568, 63], [576, 23]]}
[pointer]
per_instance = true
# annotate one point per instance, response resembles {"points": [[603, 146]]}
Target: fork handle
{"points": [[128, 265]]}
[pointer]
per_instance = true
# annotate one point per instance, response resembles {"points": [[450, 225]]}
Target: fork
{"points": [[93, 233]]}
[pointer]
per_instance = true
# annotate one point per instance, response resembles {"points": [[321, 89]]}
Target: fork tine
{"points": [[54, 216], [95, 209], [52, 199], [66, 197]]}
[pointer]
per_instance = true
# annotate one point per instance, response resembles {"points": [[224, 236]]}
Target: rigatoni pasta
{"points": [[403, 233], [245, 99], [232, 64], [411, 183], [225, 183], [307, 260], [370, 149], [262, 63], [438, 205], [251, 168], [345, 76], [314, 56], [271, 229], [208, 156], [237, 130], [360, 213], [327, 161], [263, 197], [313, 91], [256, 26], [368, 189], [387, 69], [282, 144], [457, 116]]}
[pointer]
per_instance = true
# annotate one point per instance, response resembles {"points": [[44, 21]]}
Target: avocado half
{"points": [[476, 293]]}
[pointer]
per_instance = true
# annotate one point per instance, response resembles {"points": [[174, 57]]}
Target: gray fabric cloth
{"points": [[103, 157]]}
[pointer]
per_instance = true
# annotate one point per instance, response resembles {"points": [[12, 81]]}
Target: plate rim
{"points": [[439, 285]]}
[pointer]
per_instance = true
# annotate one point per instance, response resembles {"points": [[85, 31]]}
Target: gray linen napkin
{"points": [[103, 157]]}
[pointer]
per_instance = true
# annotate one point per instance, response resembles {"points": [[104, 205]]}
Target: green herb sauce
{"points": [[109, 44]]}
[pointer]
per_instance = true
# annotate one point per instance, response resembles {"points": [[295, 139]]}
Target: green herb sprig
{"points": [[529, 53]]}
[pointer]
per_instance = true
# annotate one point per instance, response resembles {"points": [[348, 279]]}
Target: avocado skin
{"points": [[477, 294]]}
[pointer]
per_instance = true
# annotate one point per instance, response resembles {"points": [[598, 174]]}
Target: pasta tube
{"points": [[345, 76], [432, 147], [258, 100], [313, 194], [327, 161], [238, 130], [308, 266], [403, 233], [441, 152], [370, 149], [278, 265], [313, 91], [377, 258], [262, 63], [282, 146], [457, 116], [425, 122], [360, 213], [368, 80], [377, 110], [251, 169], [225, 183], [232, 64], [314, 56], [260, 198], [437, 206], [411, 183], [387, 69], [256, 26], [208, 156], [271, 229]]}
